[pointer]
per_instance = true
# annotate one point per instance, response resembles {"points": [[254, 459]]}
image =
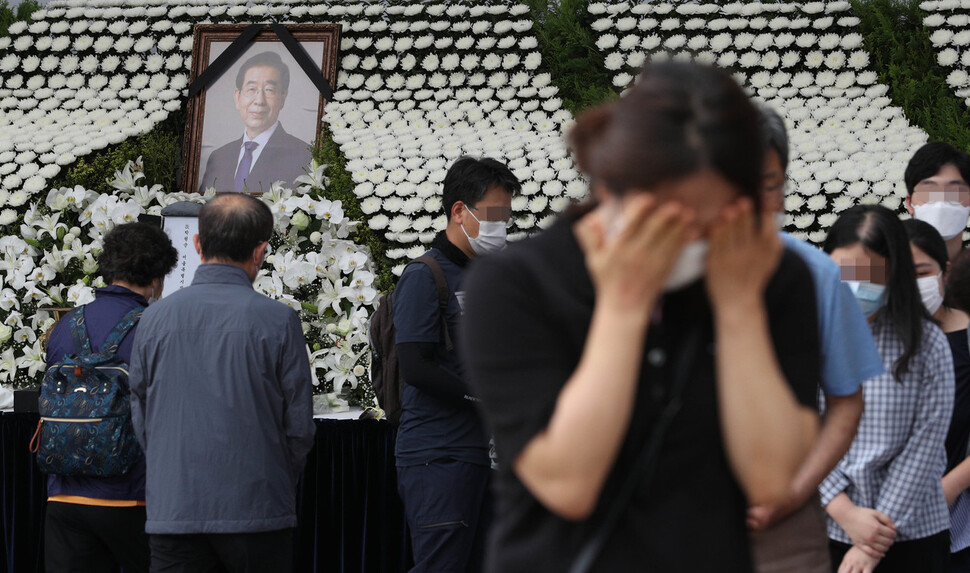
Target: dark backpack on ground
{"points": [[384, 375], [85, 412]]}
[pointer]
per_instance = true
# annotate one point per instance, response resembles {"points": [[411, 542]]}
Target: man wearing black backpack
{"points": [[98, 523], [442, 449]]}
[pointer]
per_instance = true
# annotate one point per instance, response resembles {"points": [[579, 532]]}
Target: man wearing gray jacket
{"points": [[221, 402]]}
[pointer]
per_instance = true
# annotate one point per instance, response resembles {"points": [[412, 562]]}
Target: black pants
{"points": [[448, 510], [960, 561], [94, 539], [927, 555], [263, 552]]}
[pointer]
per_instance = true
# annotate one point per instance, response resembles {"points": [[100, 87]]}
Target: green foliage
{"points": [[341, 188], [160, 150], [569, 53], [10, 15], [901, 52]]}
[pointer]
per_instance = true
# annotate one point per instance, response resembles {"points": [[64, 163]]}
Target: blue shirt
{"points": [[110, 305], [849, 354], [432, 428]]}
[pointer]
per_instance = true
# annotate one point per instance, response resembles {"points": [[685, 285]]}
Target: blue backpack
{"points": [[85, 413]]}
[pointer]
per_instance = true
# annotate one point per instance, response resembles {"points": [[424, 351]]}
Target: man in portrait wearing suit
{"points": [[265, 153]]}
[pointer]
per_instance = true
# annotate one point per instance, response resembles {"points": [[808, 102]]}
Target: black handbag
{"points": [[642, 471]]}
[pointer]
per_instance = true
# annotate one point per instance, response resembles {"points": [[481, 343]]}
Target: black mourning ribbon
{"points": [[239, 45]]}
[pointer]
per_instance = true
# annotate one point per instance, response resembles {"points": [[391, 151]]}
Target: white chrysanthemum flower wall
{"points": [[419, 86], [948, 22], [848, 144]]}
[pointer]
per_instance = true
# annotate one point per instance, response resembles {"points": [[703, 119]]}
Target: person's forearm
{"points": [[766, 432], [838, 507], [956, 481], [842, 414], [566, 465], [419, 369]]}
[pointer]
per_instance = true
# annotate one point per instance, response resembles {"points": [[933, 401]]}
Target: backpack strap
{"points": [[118, 333], [79, 332], [444, 295]]}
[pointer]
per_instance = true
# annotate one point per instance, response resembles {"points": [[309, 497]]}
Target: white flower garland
{"points": [[949, 24], [315, 269], [422, 83], [848, 144], [419, 86]]}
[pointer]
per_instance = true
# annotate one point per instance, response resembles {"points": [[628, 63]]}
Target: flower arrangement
{"points": [[419, 85], [949, 25], [48, 257], [422, 84], [806, 60]]}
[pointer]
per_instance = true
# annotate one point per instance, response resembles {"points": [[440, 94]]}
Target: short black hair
{"points": [[469, 178], [929, 159], [271, 59], [774, 133], [232, 225], [136, 253]]}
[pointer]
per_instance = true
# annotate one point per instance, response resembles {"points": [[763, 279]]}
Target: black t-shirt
{"points": [[432, 428], [959, 433], [527, 314]]}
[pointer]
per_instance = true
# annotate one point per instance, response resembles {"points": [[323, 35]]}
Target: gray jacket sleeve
{"points": [[296, 383], [138, 384]]}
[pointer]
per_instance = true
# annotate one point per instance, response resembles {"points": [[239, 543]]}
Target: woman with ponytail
{"points": [[887, 511]]}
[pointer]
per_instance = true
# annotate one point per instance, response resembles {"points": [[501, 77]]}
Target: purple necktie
{"points": [[242, 172]]}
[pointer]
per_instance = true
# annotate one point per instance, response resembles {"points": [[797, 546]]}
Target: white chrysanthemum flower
{"points": [[835, 60], [941, 37], [957, 78], [770, 60], [814, 59], [727, 59], [614, 61]]}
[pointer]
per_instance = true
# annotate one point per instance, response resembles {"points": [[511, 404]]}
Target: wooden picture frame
{"points": [[208, 154]]}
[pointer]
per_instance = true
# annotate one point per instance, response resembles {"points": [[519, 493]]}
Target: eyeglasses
{"points": [[269, 92], [957, 192], [496, 215]]}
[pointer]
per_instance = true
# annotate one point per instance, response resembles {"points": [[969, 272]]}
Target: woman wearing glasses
{"points": [[653, 355]]}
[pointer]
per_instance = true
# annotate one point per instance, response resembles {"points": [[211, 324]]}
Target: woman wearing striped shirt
{"points": [[887, 511]]}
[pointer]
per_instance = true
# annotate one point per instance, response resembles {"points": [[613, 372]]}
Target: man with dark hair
{"points": [[442, 449], [265, 153], [791, 535], [97, 524], [221, 403], [937, 191]]}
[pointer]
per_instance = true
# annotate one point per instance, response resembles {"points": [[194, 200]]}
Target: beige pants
{"points": [[797, 544]]}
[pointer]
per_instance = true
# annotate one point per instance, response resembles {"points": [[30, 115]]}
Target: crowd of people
{"points": [[662, 380]]}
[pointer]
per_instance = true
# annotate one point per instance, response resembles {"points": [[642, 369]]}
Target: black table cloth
{"points": [[350, 516]]}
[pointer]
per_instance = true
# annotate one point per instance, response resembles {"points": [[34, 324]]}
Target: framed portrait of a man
{"points": [[255, 123]]}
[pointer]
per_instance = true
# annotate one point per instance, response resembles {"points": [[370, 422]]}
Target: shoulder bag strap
{"points": [[79, 331], [118, 333], [642, 471], [444, 295]]}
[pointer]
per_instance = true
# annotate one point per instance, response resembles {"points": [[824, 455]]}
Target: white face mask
{"points": [[930, 292], [491, 236], [689, 267], [948, 217]]}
